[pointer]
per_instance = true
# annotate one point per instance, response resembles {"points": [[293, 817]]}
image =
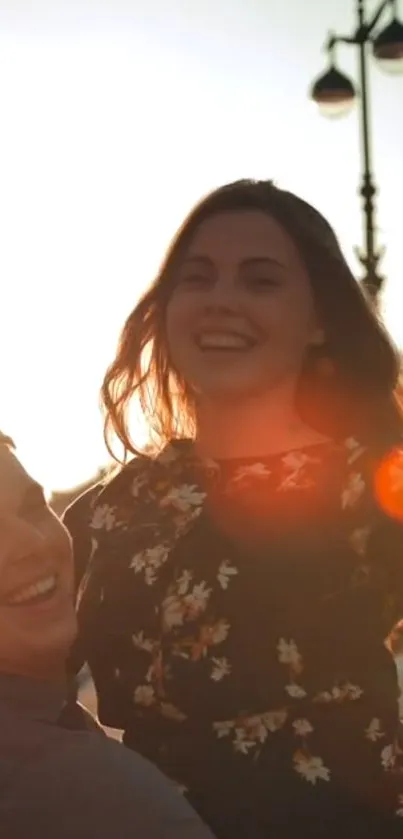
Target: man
{"points": [[57, 783]]}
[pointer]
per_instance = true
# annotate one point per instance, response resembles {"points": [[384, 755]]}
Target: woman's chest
{"points": [[209, 623]]}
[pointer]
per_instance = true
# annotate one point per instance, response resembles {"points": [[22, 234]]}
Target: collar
{"points": [[37, 699]]}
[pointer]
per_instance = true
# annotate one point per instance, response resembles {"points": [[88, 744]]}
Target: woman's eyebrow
{"points": [[205, 260], [262, 261]]}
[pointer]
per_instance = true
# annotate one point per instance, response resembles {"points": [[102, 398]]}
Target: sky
{"points": [[117, 116]]}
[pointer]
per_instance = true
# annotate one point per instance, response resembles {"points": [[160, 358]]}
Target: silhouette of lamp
{"points": [[335, 94]]}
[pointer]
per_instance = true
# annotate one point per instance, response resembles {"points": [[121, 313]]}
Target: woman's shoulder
{"points": [[79, 511], [118, 486]]}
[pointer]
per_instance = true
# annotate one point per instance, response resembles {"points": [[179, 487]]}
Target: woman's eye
{"points": [[194, 280], [263, 283]]}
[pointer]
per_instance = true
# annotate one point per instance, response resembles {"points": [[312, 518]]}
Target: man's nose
{"points": [[21, 539]]}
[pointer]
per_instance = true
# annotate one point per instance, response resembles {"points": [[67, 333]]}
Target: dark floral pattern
{"points": [[234, 613]]}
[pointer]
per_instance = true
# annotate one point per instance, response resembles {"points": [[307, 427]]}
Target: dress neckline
{"points": [[186, 448]]}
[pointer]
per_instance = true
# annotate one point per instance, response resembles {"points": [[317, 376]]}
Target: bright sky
{"points": [[115, 117]]}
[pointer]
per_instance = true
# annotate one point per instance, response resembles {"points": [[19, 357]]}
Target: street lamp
{"points": [[335, 94]]}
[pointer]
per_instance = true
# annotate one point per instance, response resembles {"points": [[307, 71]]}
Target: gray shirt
{"points": [[60, 784]]}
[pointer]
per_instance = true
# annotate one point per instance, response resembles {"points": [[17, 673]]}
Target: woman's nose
{"points": [[223, 296]]}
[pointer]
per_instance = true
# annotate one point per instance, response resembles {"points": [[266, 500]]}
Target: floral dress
{"points": [[233, 615]]}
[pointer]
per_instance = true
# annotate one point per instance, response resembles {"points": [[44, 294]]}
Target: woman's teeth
{"points": [[36, 591], [223, 341]]}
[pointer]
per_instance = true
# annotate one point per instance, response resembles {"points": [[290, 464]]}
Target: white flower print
{"points": [[296, 460], [223, 729], [296, 463], [359, 539], [182, 520], [255, 470], [144, 695], [170, 712], [241, 743], [311, 768], [183, 498], [225, 572], [399, 811], [104, 517], [295, 691], [374, 731], [173, 612], [352, 692], [221, 668], [150, 561], [340, 693], [138, 482], [209, 635], [324, 696], [354, 448], [183, 582], [117, 673], [353, 491], [288, 653], [250, 732], [302, 727], [142, 643], [196, 601], [150, 577], [176, 609], [388, 758], [219, 632], [274, 720]]}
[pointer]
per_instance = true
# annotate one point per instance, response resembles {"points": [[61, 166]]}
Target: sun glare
{"points": [[105, 144]]}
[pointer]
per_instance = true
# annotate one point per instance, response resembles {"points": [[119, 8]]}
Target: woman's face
{"points": [[241, 316]]}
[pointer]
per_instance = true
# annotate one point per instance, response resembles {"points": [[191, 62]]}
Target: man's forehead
{"points": [[14, 479]]}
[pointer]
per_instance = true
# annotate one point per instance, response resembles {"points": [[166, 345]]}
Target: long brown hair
{"points": [[360, 398]]}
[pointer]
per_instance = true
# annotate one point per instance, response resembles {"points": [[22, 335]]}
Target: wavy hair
{"points": [[360, 398]]}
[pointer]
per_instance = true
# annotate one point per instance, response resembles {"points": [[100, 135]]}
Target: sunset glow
{"points": [[113, 124]]}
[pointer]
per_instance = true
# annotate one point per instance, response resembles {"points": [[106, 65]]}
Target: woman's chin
{"points": [[234, 389]]}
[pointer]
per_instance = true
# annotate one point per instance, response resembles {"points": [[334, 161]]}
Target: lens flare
{"points": [[388, 484]]}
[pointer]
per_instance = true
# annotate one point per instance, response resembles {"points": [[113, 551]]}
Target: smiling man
{"points": [[57, 783]]}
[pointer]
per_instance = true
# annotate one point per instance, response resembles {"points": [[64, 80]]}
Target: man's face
{"points": [[37, 618]]}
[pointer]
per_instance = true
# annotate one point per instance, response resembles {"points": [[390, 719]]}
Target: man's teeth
{"points": [[221, 340], [32, 592]]}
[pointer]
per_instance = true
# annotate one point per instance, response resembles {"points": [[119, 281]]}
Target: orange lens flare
{"points": [[388, 484]]}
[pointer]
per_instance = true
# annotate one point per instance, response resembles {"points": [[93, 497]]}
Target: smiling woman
{"points": [[238, 580]]}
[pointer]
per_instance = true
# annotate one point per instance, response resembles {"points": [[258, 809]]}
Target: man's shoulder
{"points": [[89, 786]]}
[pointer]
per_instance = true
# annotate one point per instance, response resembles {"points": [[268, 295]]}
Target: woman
{"points": [[239, 580]]}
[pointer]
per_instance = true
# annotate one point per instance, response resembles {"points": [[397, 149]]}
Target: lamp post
{"points": [[335, 93]]}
